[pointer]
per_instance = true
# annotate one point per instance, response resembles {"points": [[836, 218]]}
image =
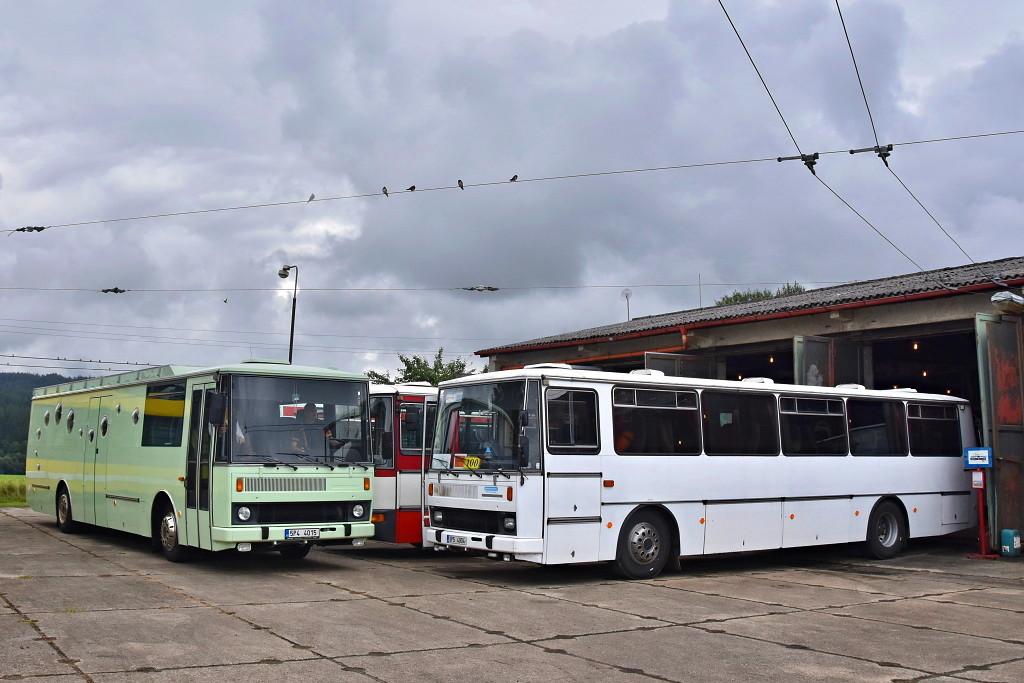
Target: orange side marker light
{"points": [[701, 520], [366, 483], [608, 483], [856, 513], [430, 489], [508, 493], [792, 516], [377, 517], [239, 485]]}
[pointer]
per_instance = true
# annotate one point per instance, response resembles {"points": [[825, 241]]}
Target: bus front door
{"points": [[197, 477], [94, 466]]}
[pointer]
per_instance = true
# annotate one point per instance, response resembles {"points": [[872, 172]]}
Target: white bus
{"points": [[555, 465]]}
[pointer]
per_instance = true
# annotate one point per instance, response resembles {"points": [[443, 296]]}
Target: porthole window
{"points": [[103, 426], [92, 435], [57, 412], [39, 433], [135, 416], [117, 409], [71, 419], [46, 418]]}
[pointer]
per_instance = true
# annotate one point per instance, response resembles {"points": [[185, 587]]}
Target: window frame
{"points": [[673, 390], [572, 450], [809, 397], [955, 407], [169, 382], [878, 399], [727, 390]]}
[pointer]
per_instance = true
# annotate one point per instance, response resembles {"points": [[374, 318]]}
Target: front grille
{"points": [[284, 484], [309, 512], [484, 521], [447, 489]]}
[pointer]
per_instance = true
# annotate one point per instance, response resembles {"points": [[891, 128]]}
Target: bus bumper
{"points": [[488, 543], [228, 537]]}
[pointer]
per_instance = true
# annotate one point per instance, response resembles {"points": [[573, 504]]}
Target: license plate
{"points": [[302, 533], [456, 540]]}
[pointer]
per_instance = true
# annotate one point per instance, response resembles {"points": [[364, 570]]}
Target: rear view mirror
{"points": [[524, 418], [216, 402]]}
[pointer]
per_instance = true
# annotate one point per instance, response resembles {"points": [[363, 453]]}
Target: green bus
{"points": [[258, 455]]}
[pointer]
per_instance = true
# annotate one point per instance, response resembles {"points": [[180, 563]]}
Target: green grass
{"points": [[12, 490]]}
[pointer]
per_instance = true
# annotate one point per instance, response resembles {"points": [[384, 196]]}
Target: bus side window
{"points": [[655, 422], [739, 423], [164, 419], [934, 429], [812, 426], [877, 427], [381, 432], [572, 421]]}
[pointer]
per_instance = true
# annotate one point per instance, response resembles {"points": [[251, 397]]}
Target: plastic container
{"points": [[1009, 543]]}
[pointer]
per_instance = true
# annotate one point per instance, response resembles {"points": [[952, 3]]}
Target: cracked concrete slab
{"points": [[654, 601], [385, 582], [873, 641], [24, 653], [360, 627], [1010, 672], [889, 583], [255, 588], [949, 617], [682, 653], [275, 672], [769, 592], [515, 662], [121, 640], [87, 593], [996, 598], [528, 617]]}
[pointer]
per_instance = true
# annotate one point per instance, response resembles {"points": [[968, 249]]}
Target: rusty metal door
{"points": [[1000, 360]]}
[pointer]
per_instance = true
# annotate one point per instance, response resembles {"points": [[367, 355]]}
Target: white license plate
{"points": [[456, 540], [302, 533]]}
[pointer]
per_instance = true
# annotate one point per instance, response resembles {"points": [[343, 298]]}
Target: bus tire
{"points": [[167, 535], [887, 531], [644, 546], [295, 552], [65, 517]]}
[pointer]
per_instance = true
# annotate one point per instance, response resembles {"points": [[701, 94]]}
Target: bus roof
{"points": [[147, 375], [553, 371], [411, 388]]}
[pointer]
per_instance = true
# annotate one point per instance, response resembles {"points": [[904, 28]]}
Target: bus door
{"points": [[382, 448], [197, 476], [94, 465], [411, 420]]}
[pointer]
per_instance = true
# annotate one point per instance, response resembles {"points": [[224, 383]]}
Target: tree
{"points": [[419, 369], [749, 295]]}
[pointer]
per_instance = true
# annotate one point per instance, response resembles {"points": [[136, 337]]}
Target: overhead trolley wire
{"points": [[55, 367], [884, 154], [75, 360]]}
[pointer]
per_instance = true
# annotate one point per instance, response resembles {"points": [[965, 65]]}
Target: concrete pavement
{"points": [[99, 606]]}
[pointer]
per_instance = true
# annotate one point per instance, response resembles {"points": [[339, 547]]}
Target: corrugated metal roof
{"points": [[943, 281]]}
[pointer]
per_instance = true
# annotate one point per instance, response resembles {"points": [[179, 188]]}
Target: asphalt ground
{"points": [[100, 606]]}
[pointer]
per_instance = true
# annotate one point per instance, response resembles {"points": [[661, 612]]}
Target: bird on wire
{"points": [[311, 198], [411, 188], [461, 185], [514, 178], [225, 300], [384, 190]]}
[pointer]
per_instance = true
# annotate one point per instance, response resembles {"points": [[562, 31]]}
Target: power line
{"points": [[763, 82], [570, 176], [475, 288], [75, 360], [54, 367], [884, 154], [857, 70]]}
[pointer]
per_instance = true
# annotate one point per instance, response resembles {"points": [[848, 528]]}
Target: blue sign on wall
{"points": [[977, 457]]}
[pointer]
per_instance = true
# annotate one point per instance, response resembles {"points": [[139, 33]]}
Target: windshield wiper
{"points": [[271, 462], [503, 473], [307, 458], [444, 468], [522, 474]]}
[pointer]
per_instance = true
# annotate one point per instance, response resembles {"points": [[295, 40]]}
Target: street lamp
{"points": [[283, 274]]}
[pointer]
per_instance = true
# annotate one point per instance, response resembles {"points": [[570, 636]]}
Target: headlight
{"points": [[357, 510], [244, 513], [438, 516], [510, 523]]}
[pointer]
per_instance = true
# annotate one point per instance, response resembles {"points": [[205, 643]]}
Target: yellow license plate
{"points": [[472, 462]]}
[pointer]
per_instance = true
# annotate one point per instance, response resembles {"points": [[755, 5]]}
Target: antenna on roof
{"points": [[626, 293]]}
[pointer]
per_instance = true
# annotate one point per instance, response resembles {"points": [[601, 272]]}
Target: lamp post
{"points": [[283, 274]]}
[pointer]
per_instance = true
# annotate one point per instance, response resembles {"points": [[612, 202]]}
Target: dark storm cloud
{"points": [[109, 110]]}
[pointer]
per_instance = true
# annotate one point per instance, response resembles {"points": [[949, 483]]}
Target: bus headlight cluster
{"points": [[438, 516], [244, 513], [510, 524], [358, 511]]}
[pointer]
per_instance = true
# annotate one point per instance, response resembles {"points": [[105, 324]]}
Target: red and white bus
{"points": [[401, 431]]}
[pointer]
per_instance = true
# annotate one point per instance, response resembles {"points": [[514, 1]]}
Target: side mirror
{"points": [[524, 418], [216, 403]]}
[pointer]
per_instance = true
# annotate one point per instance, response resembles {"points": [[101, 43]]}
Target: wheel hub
{"points": [[644, 543], [169, 531], [888, 530], [62, 508]]}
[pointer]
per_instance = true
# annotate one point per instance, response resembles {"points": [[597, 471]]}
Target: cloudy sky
{"points": [[120, 109]]}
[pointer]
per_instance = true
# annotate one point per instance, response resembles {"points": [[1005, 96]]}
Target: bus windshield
{"points": [[296, 421], [487, 427]]}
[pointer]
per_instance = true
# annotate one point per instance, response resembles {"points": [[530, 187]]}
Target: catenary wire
{"points": [[856, 69], [570, 176], [55, 367], [75, 360]]}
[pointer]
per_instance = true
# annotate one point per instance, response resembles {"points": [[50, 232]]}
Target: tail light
{"points": [[508, 493], [239, 485], [430, 489]]}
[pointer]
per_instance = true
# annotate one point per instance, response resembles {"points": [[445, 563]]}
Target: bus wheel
{"points": [[168, 531], [295, 552], [65, 519], [887, 531], [643, 548]]}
